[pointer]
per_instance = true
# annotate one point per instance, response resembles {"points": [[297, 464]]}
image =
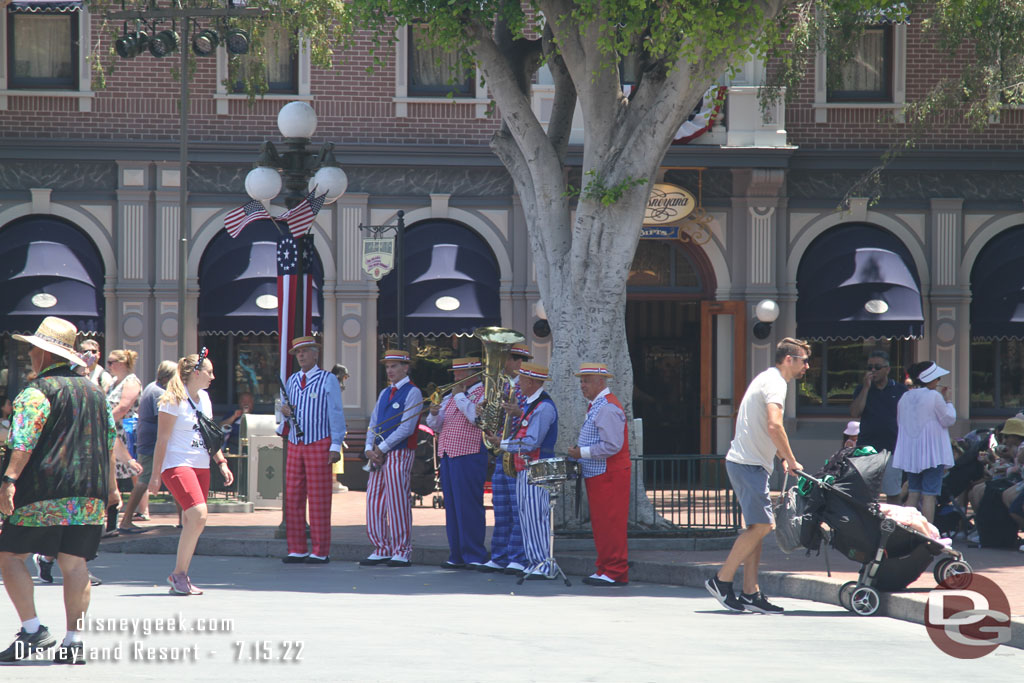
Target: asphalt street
{"points": [[261, 620]]}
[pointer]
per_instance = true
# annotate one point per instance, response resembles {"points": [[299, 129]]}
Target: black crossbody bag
{"points": [[213, 436]]}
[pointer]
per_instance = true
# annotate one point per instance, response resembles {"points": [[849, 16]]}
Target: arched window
{"points": [[663, 267]]}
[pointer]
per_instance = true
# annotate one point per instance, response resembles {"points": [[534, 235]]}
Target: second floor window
{"points": [[433, 70], [42, 51], [867, 76], [280, 64]]}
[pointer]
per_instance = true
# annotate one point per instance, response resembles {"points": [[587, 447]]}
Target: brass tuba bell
{"points": [[498, 387]]}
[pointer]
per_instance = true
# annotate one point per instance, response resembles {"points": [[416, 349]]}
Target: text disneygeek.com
{"points": [[148, 626]]}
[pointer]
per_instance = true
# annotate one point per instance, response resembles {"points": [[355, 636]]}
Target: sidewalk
{"points": [[666, 561]]}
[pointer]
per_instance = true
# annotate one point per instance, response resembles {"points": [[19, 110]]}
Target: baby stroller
{"points": [[892, 555], [423, 479]]}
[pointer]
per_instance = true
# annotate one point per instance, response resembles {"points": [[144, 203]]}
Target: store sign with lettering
{"points": [[668, 204]]}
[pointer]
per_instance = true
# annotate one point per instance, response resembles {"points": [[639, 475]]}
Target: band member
{"points": [[316, 429], [603, 452], [391, 448], [56, 487], [463, 466], [507, 551], [534, 439]]}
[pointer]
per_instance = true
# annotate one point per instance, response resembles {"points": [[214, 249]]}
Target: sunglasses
{"points": [[877, 367], [803, 359]]}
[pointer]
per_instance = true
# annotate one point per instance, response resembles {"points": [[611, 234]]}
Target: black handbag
{"points": [[213, 435]]}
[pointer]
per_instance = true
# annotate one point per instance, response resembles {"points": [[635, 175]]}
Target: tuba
{"points": [[498, 389]]}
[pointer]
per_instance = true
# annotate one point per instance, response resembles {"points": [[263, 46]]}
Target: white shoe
{"points": [[515, 566]]}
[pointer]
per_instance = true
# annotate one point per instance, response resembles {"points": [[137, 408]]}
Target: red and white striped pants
{"points": [[308, 473], [389, 506]]}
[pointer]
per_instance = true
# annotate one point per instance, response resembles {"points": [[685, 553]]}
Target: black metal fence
{"points": [[671, 495]]}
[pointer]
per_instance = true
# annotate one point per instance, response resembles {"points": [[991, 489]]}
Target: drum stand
{"points": [[554, 570]]}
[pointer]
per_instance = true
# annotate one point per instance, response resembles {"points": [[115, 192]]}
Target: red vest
{"points": [[619, 461]]}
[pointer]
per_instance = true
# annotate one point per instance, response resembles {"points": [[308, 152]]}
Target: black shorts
{"points": [[81, 540]]}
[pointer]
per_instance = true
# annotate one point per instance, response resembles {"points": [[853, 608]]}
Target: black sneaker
{"points": [[69, 654], [44, 568], [95, 580], [26, 643], [758, 603], [723, 594]]}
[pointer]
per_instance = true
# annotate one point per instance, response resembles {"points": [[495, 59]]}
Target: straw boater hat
{"points": [[521, 351], [535, 371], [57, 336], [303, 343], [395, 355], [465, 364], [588, 368]]}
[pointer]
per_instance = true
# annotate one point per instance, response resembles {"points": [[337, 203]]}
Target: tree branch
{"points": [[564, 106]]}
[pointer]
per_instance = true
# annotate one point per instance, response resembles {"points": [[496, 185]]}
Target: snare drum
{"points": [[551, 470]]}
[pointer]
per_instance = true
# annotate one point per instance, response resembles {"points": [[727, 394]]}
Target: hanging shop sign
{"points": [[668, 204], [378, 256]]}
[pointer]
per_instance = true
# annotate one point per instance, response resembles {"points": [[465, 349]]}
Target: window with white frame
{"points": [[875, 76], [43, 47], [280, 64], [429, 73]]}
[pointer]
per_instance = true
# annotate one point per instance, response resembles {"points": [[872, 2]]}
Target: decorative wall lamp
{"points": [[767, 312]]}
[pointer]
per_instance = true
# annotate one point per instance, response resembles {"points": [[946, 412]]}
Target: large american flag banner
{"points": [[301, 216], [288, 287], [237, 219]]}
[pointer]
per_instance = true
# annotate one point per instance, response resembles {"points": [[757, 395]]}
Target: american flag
{"points": [[287, 289], [301, 217], [243, 216]]}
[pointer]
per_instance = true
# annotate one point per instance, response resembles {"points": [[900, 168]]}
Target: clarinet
{"points": [[294, 419]]}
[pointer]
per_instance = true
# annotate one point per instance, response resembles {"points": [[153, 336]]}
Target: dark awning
{"points": [[451, 280], [60, 274], [47, 6], [997, 287], [858, 281], [238, 283]]}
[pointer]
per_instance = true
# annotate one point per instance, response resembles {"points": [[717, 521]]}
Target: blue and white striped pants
{"points": [[507, 537], [534, 518]]}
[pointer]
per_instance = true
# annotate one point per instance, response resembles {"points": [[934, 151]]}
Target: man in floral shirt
{"points": [[55, 490]]}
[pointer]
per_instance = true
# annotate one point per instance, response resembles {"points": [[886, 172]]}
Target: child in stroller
{"points": [[892, 554]]}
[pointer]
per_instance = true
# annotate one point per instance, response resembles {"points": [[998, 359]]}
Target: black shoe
{"points": [[539, 577], [317, 560], [489, 568], [399, 563], [70, 654], [26, 643], [94, 580], [591, 581], [512, 571], [374, 561], [44, 568], [759, 603], [295, 559], [723, 593], [452, 565]]}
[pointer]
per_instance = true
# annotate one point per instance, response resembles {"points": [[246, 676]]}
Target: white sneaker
{"points": [[515, 566]]}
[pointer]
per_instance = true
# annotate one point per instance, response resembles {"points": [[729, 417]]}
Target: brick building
{"points": [[96, 173]]}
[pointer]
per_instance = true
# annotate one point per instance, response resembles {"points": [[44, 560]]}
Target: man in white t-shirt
{"points": [[760, 437]]}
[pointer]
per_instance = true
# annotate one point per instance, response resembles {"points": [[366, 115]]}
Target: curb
{"points": [[904, 606]]}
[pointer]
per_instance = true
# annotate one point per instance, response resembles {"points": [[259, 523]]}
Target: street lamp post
{"points": [[302, 171]]}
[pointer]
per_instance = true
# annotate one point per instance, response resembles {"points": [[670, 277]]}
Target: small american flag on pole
{"points": [[235, 220], [301, 217]]}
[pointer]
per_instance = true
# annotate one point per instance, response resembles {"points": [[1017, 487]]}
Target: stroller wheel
{"points": [[953, 573], [865, 601], [845, 593]]}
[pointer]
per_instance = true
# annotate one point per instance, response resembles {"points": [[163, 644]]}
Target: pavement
{"points": [[343, 622], [680, 562]]}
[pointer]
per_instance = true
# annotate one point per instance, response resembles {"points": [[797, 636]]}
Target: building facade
{"points": [[89, 216]]}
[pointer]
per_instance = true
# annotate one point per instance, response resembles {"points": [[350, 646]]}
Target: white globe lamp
{"points": [[263, 183], [766, 312], [329, 179], [296, 120]]}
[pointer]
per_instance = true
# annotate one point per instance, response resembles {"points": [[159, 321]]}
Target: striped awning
{"points": [[45, 6]]}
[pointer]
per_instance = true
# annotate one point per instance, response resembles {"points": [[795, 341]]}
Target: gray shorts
{"points": [[146, 460], [750, 482]]}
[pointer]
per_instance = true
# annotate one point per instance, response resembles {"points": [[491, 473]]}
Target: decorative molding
{"points": [[168, 231], [133, 222], [762, 244]]}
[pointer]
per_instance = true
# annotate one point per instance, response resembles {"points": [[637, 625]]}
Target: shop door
{"points": [[723, 370], [664, 349]]}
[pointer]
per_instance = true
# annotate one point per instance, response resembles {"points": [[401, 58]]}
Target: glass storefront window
{"points": [[244, 363], [997, 371], [837, 368], [660, 265]]}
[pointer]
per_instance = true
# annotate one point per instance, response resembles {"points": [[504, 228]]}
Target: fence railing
{"points": [[674, 495]]}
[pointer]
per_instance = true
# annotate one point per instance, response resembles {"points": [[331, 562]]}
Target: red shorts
{"points": [[188, 485]]}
